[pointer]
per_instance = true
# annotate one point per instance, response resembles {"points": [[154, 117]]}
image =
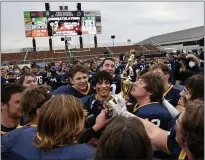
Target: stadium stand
{"points": [[191, 38], [39, 56]]}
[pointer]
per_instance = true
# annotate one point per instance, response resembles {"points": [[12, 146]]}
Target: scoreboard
{"points": [[61, 23], [91, 22]]}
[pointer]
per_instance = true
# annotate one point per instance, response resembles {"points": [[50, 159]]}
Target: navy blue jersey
{"points": [[173, 147], [116, 84], [91, 74], [55, 81], [172, 95], [133, 72], [41, 77], [171, 67], [93, 106], [120, 68], [3, 80], [141, 66], [5, 130], [64, 78], [72, 91], [90, 103], [155, 113], [20, 146]]}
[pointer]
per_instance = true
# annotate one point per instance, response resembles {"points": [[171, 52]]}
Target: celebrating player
{"points": [[79, 86], [148, 91]]}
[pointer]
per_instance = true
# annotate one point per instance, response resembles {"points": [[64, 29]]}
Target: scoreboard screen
{"points": [[65, 23], [91, 22], [61, 23]]}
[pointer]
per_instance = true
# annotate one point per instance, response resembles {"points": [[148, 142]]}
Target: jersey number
{"points": [[39, 79], [155, 121]]}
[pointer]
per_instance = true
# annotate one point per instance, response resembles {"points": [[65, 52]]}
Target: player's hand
{"points": [[100, 121], [118, 104]]}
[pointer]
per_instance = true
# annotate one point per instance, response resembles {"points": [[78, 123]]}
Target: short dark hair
{"points": [[35, 66], [8, 89], [33, 98], [165, 68], [124, 138], [24, 68], [100, 76], [193, 127], [77, 68], [155, 85], [195, 85], [102, 63], [22, 78]]}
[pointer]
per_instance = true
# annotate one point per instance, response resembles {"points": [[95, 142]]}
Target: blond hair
{"points": [[61, 121]]}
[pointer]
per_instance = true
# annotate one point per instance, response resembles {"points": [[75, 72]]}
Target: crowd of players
{"points": [[62, 112]]}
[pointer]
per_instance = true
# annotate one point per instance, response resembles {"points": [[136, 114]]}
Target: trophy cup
{"points": [[126, 83], [126, 86]]}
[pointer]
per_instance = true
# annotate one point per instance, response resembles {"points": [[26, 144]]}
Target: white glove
{"points": [[137, 70], [119, 106]]}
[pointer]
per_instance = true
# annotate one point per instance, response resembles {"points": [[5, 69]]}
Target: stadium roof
{"points": [[191, 34]]}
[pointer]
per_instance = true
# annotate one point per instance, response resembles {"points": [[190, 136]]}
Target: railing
{"points": [[26, 55], [17, 50], [147, 54]]}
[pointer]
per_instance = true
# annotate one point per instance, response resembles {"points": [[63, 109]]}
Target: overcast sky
{"points": [[126, 20]]}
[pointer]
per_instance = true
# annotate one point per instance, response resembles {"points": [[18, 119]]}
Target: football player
{"points": [[10, 108], [40, 76], [101, 82], [28, 79], [79, 86], [148, 91], [108, 65], [171, 93], [56, 135]]}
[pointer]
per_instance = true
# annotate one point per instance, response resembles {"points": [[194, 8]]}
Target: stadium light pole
{"points": [[129, 40], [95, 41], [47, 7], [113, 38], [80, 32]]}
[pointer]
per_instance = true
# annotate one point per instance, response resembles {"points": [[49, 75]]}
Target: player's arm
{"points": [[157, 136], [179, 106]]}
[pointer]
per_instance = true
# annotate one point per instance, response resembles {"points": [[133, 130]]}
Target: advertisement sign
{"points": [[40, 33], [91, 13], [39, 23], [35, 24]]}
